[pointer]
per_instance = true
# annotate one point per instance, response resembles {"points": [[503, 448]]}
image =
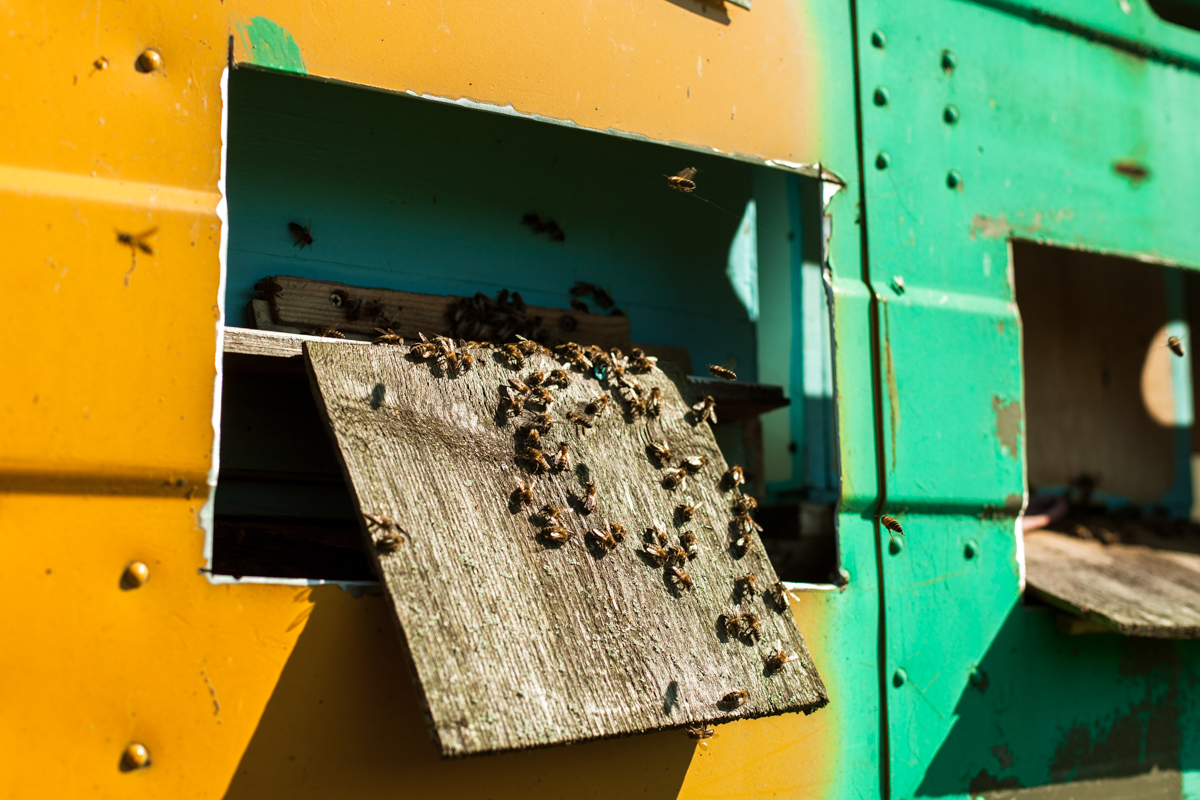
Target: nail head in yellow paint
{"points": [[136, 756], [149, 61], [135, 575]]}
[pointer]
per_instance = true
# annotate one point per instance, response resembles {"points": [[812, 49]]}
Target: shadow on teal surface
{"points": [[1045, 707]]}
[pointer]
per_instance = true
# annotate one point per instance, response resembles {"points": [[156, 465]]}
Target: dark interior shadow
{"points": [[709, 9], [344, 721], [1044, 708]]}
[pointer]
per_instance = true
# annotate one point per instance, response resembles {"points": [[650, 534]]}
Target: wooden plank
{"points": [[357, 311], [517, 643], [1129, 589]]}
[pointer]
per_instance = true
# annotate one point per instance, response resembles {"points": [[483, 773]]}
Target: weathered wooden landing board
{"points": [[516, 643], [1129, 589]]}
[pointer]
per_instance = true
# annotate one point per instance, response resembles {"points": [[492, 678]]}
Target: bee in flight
{"points": [[891, 524], [724, 371], [301, 233], [682, 181], [138, 240], [1176, 345]]}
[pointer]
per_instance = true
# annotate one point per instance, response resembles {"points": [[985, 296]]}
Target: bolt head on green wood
{"points": [[950, 114], [882, 161], [899, 678], [878, 40], [880, 97]]}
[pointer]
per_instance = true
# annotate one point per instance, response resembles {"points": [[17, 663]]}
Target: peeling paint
{"points": [[893, 390], [271, 46], [1008, 424]]}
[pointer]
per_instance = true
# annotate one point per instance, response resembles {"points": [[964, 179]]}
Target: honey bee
{"points": [[541, 423], [750, 626], [735, 699], [389, 543], [532, 437], [328, 331], [579, 306], [743, 504], [526, 346], [656, 534], [637, 408], [535, 457], [523, 494], [654, 402], [602, 298], [582, 424], [562, 459], [706, 409], [660, 452], [778, 595], [1176, 345], [424, 350], [683, 180], [693, 464], [581, 289], [541, 396], [514, 405], [688, 540], [556, 534], [580, 362], [559, 377], [743, 542], [722, 372], [513, 356], [388, 336], [137, 241], [267, 288], [589, 497], [733, 623], [379, 521], [746, 585], [656, 552], [603, 537], [746, 524], [302, 234], [598, 404], [567, 349], [535, 378], [680, 578], [519, 387], [735, 476], [616, 530], [674, 478], [630, 383], [891, 524], [778, 658], [676, 555], [550, 514], [640, 363], [100, 64], [701, 733], [684, 513], [465, 362]]}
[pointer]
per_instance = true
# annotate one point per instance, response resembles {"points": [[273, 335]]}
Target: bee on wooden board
{"points": [[579, 306], [676, 555], [513, 356], [603, 537], [654, 402], [550, 513], [513, 406], [582, 289], [751, 626], [1176, 345], [630, 383], [589, 497], [561, 462], [746, 524], [302, 234], [598, 404], [388, 336], [527, 346], [732, 621], [701, 733], [541, 396], [743, 543], [616, 530], [535, 457], [542, 423], [674, 478], [559, 377], [688, 540], [735, 699], [580, 362], [267, 288], [735, 476], [680, 578], [684, 513], [746, 585], [137, 241], [465, 362], [523, 494], [389, 542], [637, 408], [693, 464], [640, 363], [582, 424], [532, 437], [535, 378], [778, 593], [891, 524], [656, 552], [602, 297], [329, 332], [683, 181], [660, 452], [656, 533], [519, 387], [705, 410], [556, 534], [778, 658], [423, 350], [743, 504], [379, 521]]}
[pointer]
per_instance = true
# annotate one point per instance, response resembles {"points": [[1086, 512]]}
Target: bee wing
{"points": [[147, 233], [729, 363], [687, 173]]}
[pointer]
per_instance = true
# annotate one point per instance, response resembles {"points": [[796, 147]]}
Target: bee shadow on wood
{"points": [[575, 501], [378, 392], [671, 698], [735, 550], [583, 473], [722, 630], [504, 361]]}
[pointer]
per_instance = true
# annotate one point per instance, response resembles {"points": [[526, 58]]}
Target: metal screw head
{"points": [[880, 98], [895, 546], [970, 550], [978, 679], [882, 161], [954, 180], [878, 40], [149, 61], [898, 284], [899, 678], [136, 756], [950, 115], [136, 574], [949, 61]]}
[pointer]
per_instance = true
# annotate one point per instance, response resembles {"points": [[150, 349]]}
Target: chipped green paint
{"points": [[271, 46]]}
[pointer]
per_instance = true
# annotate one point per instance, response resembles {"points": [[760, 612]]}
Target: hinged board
{"points": [[516, 642]]}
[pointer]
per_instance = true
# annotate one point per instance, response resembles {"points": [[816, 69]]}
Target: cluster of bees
{"points": [[484, 319]]}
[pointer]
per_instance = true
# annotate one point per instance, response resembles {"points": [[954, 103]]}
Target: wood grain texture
{"points": [[516, 643], [1129, 589], [308, 305]]}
